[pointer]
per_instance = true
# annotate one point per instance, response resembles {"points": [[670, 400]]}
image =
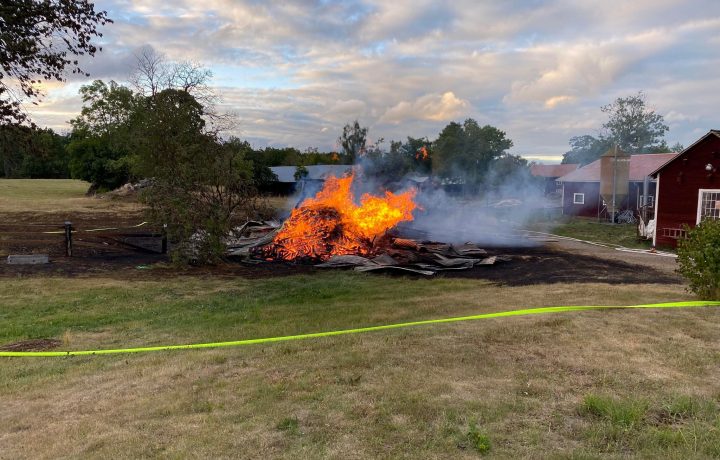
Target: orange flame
{"points": [[330, 223], [422, 154]]}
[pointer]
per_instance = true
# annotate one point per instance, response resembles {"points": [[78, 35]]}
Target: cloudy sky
{"points": [[296, 71]]}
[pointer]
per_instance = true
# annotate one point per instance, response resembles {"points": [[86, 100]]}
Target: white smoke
{"points": [[447, 213]]}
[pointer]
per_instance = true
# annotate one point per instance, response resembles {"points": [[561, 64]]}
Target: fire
{"points": [[422, 154], [331, 223]]}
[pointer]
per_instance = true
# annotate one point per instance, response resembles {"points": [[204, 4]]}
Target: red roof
{"points": [[552, 170], [640, 166]]}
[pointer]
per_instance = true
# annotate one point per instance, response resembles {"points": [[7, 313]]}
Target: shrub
{"points": [[479, 441], [699, 259]]}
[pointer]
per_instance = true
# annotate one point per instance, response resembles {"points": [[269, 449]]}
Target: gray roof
{"points": [[315, 172]]}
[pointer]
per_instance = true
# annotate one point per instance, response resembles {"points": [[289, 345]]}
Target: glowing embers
{"points": [[331, 223]]}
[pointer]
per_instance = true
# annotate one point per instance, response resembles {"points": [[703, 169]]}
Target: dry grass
{"points": [[54, 195], [528, 385], [609, 384]]}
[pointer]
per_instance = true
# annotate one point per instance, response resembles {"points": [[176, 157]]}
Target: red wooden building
{"points": [[581, 188], [688, 189], [551, 173]]}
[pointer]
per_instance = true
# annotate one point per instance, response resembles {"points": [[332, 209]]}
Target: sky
{"points": [[295, 72]]}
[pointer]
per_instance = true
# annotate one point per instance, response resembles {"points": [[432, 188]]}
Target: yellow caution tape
{"points": [[236, 343]]}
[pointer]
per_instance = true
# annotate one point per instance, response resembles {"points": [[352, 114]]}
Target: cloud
{"points": [[554, 101], [352, 108], [565, 72], [435, 107], [539, 70]]}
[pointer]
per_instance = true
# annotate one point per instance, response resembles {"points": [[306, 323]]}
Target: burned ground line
{"points": [[527, 266]]}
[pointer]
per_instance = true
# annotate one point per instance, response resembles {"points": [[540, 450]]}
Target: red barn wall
{"points": [[592, 199], [680, 182]]}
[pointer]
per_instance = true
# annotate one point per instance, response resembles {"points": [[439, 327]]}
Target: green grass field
{"points": [[600, 384], [591, 230], [557, 385]]}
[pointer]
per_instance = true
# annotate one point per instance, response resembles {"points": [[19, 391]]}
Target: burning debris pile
{"points": [[331, 224], [332, 231]]}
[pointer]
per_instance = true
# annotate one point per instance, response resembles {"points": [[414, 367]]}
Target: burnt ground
{"points": [[96, 255]]}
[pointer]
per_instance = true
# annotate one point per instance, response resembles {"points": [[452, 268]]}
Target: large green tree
{"points": [[201, 186], [466, 152], [100, 147], [40, 40], [633, 126]]}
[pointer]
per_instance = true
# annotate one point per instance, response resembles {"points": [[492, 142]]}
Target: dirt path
{"points": [[661, 263]]}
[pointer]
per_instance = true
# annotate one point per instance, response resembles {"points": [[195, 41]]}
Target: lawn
{"points": [[589, 229], [570, 385], [53, 195], [609, 384]]}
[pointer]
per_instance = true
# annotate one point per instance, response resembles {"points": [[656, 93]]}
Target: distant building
{"points": [[287, 183], [581, 188], [551, 173], [688, 189]]}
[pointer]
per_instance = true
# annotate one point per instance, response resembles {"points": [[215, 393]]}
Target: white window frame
{"points": [[700, 196], [575, 198], [651, 201]]}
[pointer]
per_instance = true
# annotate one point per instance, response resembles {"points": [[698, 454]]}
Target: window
{"points": [[578, 198], [650, 203], [708, 205]]}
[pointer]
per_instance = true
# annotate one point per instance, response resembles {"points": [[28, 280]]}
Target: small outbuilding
{"points": [[581, 191], [551, 173], [688, 189]]}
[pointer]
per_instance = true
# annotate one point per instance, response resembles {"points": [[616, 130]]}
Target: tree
{"points": [[630, 125], [586, 149], [154, 73], [39, 41], [27, 152], [262, 175], [699, 259], [353, 139], [201, 186], [301, 172], [634, 127], [677, 147], [92, 159], [466, 152], [107, 109], [102, 135]]}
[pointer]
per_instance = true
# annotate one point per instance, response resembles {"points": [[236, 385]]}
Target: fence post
{"points": [[164, 239], [68, 238]]}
